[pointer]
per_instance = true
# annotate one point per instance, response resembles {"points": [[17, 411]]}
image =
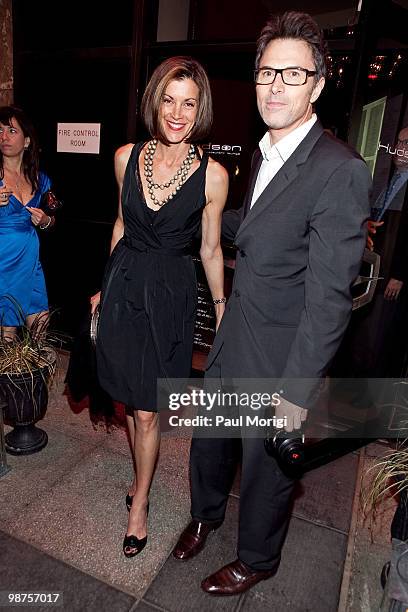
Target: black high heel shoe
{"points": [[136, 544], [129, 500]]}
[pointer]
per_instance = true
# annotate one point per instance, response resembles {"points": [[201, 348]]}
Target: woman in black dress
{"points": [[167, 188]]}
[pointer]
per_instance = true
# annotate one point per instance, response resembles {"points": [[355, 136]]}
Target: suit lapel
{"points": [[255, 165], [286, 175]]}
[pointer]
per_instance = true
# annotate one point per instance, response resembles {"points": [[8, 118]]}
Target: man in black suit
{"points": [[380, 334], [300, 237], [391, 203]]}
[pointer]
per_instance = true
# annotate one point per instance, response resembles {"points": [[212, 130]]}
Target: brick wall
{"points": [[6, 53]]}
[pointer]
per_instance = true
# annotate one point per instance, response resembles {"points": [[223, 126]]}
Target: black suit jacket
{"points": [[299, 251], [399, 263]]}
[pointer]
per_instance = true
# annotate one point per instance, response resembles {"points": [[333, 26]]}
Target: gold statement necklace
{"points": [[178, 179]]}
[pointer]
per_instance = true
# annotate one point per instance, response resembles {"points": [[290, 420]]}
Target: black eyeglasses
{"points": [[292, 75]]}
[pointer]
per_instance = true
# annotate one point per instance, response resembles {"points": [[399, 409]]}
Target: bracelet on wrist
{"points": [[43, 227], [220, 301]]}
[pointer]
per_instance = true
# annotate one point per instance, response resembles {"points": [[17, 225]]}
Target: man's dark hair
{"points": [[299, 26]]}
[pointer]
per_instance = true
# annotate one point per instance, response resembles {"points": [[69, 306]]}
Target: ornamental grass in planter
{"points": [[390, 478], [27, 367]]}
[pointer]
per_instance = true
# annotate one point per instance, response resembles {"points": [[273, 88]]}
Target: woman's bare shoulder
{"points": [[123, 153], [121, 159], [216, 172]]}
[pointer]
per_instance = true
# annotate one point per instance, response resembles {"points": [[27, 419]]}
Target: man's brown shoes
{"points": [[234, 578], [193, 539]]}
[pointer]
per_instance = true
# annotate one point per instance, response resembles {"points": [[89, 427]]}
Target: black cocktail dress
{"points": [[149, 292]]}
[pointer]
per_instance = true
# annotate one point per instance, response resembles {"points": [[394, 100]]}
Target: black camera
{"points": [[288, 448]]}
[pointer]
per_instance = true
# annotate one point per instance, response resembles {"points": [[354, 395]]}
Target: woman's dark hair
{"points": [[177, 68], [299, 26], [31, 159]]}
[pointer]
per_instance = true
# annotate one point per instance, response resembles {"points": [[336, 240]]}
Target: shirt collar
{"points": [[401, 174], [284, 148]]}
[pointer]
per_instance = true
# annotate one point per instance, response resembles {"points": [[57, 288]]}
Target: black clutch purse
{"points": [[49, 203], [93, 330]]}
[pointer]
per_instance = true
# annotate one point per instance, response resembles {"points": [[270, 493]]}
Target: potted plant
{"points": [[390, 478], [27, 367]]}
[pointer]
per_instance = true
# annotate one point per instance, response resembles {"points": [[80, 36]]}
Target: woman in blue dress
{"points": [[23, 295]]}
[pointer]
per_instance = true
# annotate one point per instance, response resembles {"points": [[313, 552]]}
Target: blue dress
{"points": [[21, 275]]}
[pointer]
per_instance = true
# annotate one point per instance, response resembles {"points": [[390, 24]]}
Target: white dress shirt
{"points": [[274, 156]]}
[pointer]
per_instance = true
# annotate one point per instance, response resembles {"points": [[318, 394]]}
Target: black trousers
{"points": [[265, 493]]}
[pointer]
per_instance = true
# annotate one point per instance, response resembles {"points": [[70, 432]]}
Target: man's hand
{"points": [[372, 229], [295, 415], [393, 289]]}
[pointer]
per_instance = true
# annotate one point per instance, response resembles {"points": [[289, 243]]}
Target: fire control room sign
{"points": [[78, 137]]}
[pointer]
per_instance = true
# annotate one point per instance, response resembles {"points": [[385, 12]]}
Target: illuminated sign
{"points": [[398, 152], [217, 149]]}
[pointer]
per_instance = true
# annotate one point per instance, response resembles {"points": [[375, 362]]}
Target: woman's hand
{"points": [[5, 194], [95, 300], [372, 229], [38, 216], [393, 289]]}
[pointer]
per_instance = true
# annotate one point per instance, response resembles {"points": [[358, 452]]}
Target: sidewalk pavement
{"points": [[63, 518]]}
